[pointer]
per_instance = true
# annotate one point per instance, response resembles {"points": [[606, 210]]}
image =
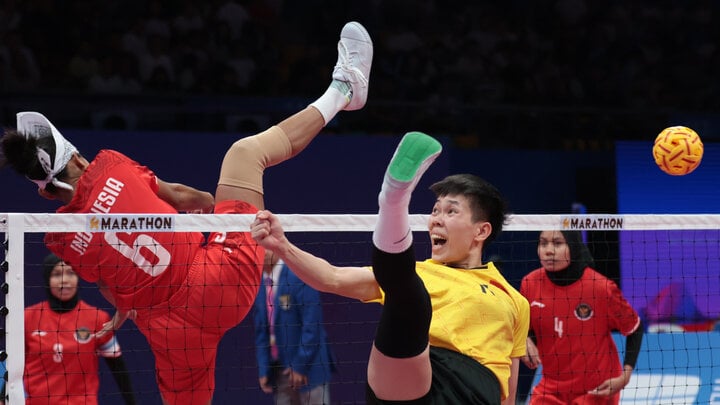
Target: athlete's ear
{"points": [[482, 230]]}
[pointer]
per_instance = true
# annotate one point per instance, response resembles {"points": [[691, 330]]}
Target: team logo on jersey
{"points": [[583, 312], [83, 335]]}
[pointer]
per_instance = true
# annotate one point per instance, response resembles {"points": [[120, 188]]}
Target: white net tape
{"points": [[349, 222]]}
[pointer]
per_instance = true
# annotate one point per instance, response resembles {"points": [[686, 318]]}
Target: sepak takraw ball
{"points": [[678, 150]]}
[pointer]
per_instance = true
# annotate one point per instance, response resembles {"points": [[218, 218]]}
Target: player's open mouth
{"points": [[438, 240]]}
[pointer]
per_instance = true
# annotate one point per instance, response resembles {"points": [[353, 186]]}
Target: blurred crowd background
{"points": [[562, 74]]}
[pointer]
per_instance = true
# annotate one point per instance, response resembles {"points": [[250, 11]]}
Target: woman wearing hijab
{"points": [[61, 346], [573, 312]]}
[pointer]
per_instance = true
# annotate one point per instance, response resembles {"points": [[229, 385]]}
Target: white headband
{"points": [[35, 125]]}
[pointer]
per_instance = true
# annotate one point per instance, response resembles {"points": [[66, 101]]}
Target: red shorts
{"points": [[220, 289], [543, 395]]}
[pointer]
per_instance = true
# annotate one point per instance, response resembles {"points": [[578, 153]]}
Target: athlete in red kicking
{"points": [[185, 295]]}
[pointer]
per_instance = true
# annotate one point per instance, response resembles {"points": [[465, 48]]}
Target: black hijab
{"points": [[580, 258], [58, 306]]}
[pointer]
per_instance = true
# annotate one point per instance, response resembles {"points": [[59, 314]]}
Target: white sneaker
{"points": [[355, 53]]}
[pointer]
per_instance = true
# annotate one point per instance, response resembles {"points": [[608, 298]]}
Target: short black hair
{"points": [[486, 202], [20, 152]]}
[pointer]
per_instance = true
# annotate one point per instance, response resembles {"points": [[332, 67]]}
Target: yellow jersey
{"points": [[476, 312]]}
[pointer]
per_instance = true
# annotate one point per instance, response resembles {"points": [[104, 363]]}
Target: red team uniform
{"points": [[61, 354], [186, 294], [574, 335]]}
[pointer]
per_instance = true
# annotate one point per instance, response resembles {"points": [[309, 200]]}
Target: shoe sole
{"points": [[414, 154]]}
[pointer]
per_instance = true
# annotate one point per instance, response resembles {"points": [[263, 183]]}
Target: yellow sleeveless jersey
{"points": [[476, 312]]}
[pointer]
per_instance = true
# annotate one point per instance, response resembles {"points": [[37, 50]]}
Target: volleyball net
{"points": [[667, 266]]}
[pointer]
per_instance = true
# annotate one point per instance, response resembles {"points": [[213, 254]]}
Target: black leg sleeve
{"points": [[405, 319]]}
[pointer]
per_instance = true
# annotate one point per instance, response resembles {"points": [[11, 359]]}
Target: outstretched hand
{"points": [[267, 230], [116, 322]]}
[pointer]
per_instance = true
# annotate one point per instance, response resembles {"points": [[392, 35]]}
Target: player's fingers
{"points": [[260, 223], [259, 230], [603, 389], [107, 326]]}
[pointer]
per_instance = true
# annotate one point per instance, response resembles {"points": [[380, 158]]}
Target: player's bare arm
{"points": [[513, 382], [185, 198], [351, 282]]}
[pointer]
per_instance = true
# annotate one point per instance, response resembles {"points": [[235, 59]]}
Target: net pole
{"points": [[15, 302]]}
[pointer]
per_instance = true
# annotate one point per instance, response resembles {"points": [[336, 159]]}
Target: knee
{"points": [[243, 156], [242, 166], [265, 149], [245, 149]]}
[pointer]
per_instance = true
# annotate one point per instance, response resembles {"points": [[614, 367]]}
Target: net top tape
{"points": [[40, 223]]}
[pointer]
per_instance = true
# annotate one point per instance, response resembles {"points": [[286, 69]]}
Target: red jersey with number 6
{"points": [[140, 265]]}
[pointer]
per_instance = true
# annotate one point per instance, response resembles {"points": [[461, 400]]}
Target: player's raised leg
{"points": [[244, 163], [399, 367]]}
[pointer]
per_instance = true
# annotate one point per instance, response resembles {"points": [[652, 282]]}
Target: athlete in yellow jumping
{"points": [[452, 330]]}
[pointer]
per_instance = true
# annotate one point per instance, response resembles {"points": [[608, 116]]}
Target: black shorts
{"points": [[456, 380]]}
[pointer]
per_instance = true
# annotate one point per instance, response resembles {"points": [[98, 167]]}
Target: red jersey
{"points": [[573, 326], [141, 269], [61, 354]]}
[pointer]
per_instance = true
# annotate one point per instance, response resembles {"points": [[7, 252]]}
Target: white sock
{"points": [[392, 231], [332, 101]]}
